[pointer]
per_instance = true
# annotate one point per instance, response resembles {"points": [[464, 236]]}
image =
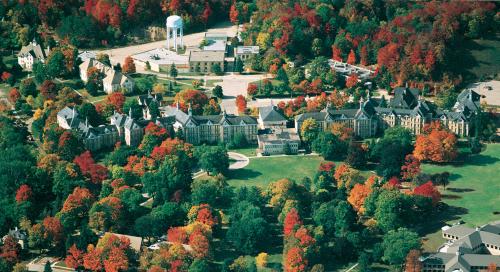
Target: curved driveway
{"points": [[240, 160]]}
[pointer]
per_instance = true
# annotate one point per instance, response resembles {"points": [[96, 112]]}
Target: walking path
{"points": [[241, 160]]}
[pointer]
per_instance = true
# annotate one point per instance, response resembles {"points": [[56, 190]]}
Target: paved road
{"points": [[118, 55]]}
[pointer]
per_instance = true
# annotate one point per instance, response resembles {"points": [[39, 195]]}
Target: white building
{"points": [[115, 81], [245, 52], [283, 141], [30, 54], [112, 81], [161, 59]]}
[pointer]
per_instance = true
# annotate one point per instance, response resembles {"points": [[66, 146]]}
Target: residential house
{"points": [[116, 80], [147, 101], [89, 63], [31, 53]]}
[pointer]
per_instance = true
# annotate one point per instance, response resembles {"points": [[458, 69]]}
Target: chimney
{"points": [[361, 103], [177, 105], [73, 112], [406, 85], [130, 112], [190, 111]]}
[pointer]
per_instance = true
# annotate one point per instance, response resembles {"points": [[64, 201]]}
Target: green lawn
{"points": [[473, 193], [262, 171], [248, 151]]}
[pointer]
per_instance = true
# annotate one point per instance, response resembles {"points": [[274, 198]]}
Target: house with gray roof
{"points": [[466, 249], [115, 81], [271, 117], [31, 53]]}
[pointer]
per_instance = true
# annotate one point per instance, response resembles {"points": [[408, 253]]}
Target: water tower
{"points": [[174, 30]]}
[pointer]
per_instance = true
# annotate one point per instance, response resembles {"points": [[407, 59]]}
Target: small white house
{"points": [[30, 54], [115, 81]]}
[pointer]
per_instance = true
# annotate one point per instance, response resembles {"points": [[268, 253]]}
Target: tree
{"points": [[413, 263], [241, 104], [252, 89], [10, 250], [262, 259], [492, 267], [436, 144], [351, 59], [309, 131], [281, 75], [352, 81], [411, 168], [391, 206], [13, 96], [291, 222], [128, 66], [173, 71], [428, 190], [248, 231], [329, 146], [295, 260], [199, 265], [48, 89], [117, 99], [359, 193], [356, 155], [28, 87], [398, 243], [74, 258], [238, 65], [216, 69], [234, 14], [217, 91], [191, 98], [213, 159], [47, 267]]}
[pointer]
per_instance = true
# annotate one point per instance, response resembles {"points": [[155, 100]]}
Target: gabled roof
{"points": [[34, 49], [146, 99], [114, 77], [404, 98], [271, 114]]}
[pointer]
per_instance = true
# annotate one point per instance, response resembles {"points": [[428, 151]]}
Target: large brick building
{"points": [[405, 110]]}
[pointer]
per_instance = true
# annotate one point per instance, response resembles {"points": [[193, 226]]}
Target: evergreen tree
{"points": [[238, 66]]}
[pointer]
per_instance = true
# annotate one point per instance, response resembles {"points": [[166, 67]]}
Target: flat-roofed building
{"points": [[161, 59], [245, 52], [203, 61], [280, 141]]}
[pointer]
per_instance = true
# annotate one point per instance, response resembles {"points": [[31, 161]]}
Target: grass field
{"points": [[248, 151], [477, 59], [262, 171], [473, 193]]}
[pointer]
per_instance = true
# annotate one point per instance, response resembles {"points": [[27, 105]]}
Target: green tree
{"points": [[87, 111], [55, 64], [173, 71], [212, 159], [345, 217], [28, 87], [392, 210], [330, 146], [47, 267], [217, 91], [216, 69], [397, 244], [238, 65], [40, 72], [248, 231], [199, 265], [281, 75], [132, 104]]}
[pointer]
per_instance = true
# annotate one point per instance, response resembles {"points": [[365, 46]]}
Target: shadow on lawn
{"points": [[243, 174], [482, 160], [445, 214], [460, 190]]}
